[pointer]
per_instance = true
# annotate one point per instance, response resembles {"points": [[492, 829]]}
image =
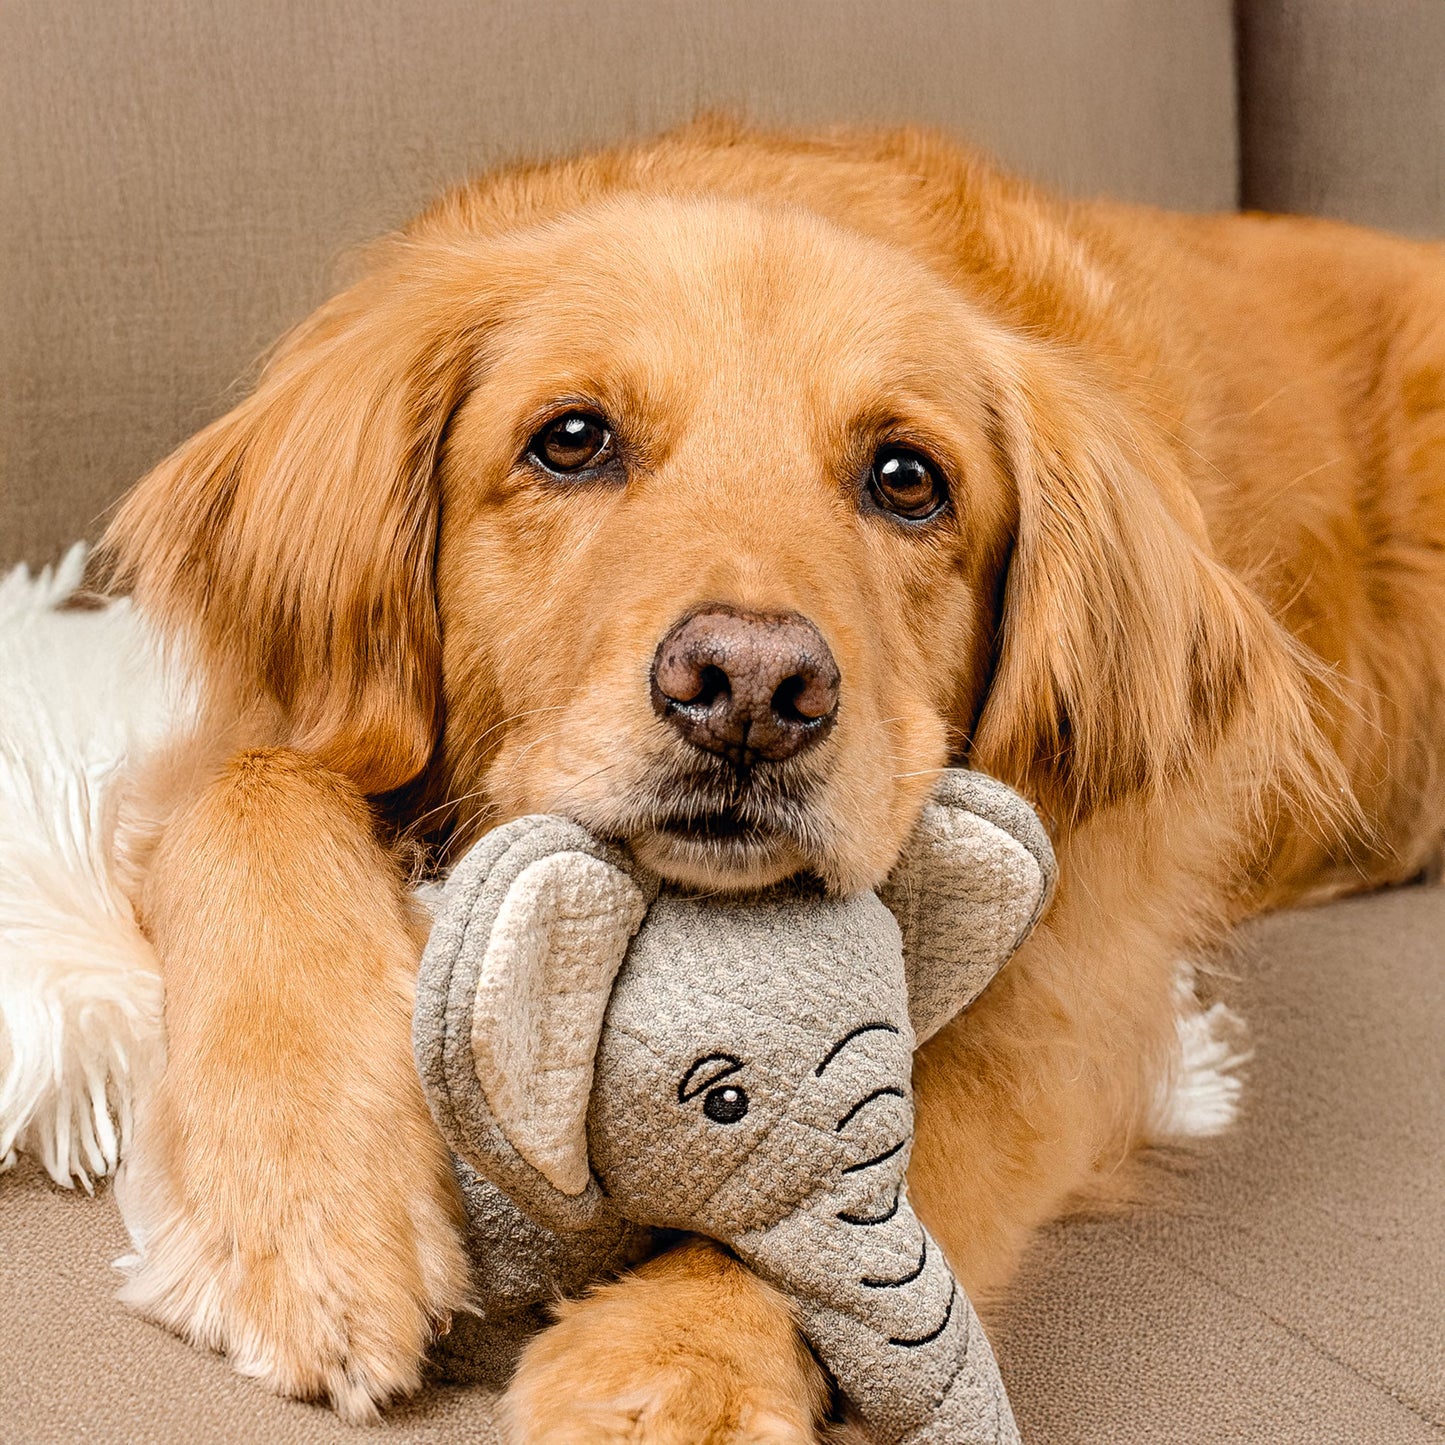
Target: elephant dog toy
{"points": [[608, 1057]]}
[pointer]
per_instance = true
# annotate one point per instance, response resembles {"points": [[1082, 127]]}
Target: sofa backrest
{"points": [[178, 177], [1342, 110]]}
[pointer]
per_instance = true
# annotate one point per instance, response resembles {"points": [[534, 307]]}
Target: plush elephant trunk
{"points": [[887, 1318]]}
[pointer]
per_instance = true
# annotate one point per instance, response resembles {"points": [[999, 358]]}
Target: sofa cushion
{"points": [[177, 179], [1285, 1291]]}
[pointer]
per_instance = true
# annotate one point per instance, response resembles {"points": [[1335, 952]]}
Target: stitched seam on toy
{"points": [[870, 1283], [892, 1091], [909, 1344]]}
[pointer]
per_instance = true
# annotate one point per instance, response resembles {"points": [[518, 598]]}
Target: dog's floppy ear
{"points": [[516, 978], [294, 537], [1126, 653], [974, 878]]}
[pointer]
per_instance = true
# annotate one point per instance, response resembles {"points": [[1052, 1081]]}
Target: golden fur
{"points": [[1187, 597]]}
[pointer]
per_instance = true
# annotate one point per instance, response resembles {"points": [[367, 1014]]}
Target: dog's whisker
{"points": [[471, 761], [516, 717], [442, 807], [559, 799]]}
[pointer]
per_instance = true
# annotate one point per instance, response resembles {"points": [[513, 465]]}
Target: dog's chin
{"points": [[702, 824], [718, 853]]}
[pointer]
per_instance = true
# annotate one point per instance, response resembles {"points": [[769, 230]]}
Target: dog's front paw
{"points": [[691, 1349], [324, 1282]]}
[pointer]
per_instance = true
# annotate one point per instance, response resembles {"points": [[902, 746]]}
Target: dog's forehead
{"points": [[729, 323], [696, 280]]}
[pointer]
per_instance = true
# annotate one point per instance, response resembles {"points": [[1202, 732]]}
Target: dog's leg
{"points": [[291, 1198], [690, 1349]]}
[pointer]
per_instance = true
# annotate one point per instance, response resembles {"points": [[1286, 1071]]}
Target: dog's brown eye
{"points": [[578, 441], [907, 484]]}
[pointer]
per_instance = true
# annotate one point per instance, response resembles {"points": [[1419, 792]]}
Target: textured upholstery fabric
{"points": [[178, 177], [1342, 110], [1292, 1293], [1285, 1291]]}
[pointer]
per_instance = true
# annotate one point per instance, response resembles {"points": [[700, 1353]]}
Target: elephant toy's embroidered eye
{"points": [[722, 1103], [726, 1105]]}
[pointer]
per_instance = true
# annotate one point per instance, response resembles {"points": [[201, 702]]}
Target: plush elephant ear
{"points": [[972, 882], [529, 934]]}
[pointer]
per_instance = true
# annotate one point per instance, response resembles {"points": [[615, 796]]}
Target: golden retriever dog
{"points": [[717, 491]]}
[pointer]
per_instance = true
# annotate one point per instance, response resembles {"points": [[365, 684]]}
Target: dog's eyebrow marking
{"points": [[848, 1039]]}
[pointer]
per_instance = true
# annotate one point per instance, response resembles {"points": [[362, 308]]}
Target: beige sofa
{"points": [[176, 180]]}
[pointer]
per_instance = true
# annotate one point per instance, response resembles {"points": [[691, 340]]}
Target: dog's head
{"points": [[715, 526]]}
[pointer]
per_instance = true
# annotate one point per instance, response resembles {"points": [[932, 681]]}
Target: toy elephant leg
{"points": [[885, 1314]]}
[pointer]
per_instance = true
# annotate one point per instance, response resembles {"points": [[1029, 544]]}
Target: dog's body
{"points": [[1171, 564]]}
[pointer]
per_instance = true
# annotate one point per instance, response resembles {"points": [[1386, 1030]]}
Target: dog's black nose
{"points": [[746, 685]]}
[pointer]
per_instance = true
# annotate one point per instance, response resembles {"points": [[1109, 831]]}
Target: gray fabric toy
{"points": [[608, 1058]]}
